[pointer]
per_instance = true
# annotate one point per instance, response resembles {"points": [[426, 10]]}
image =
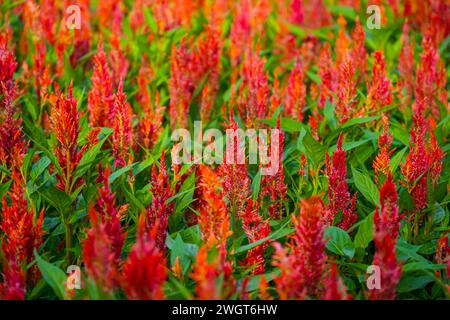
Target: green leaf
{"points": [[116, 174], [39, 167], [365, 232], [413, 283], [88, 158], [339, 242], [53, 275], [365, 185], [355, 121]]}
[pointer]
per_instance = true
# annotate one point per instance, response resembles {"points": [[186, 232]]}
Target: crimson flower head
{"points": [[159, 210], [338, 194], [386, 225], [303, 268], [99, 255], [254, 93], [255, 229], [144, 272], [8, 64], [334, 288], [110, 215]]}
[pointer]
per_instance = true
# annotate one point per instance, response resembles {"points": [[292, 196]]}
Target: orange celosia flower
{"points": [[346, 89], [381, 162], [327, 74], [212, 264], [295, 93], [358, 52], [406, 67], [214, 219], [100, 98], [380, 91]]}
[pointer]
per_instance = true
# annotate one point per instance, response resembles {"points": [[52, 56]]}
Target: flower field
{"points": [[96, 96]]}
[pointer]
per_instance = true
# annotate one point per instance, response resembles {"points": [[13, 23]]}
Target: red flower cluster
{"points": [[338, 194]]}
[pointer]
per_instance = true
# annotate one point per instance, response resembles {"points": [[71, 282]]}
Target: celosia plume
{"points": [[338, 194]]}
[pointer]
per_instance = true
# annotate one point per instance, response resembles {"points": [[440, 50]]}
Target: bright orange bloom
{"points": [[100, 98], [214, 218], [327, 74], [295, 93], [406, 67], [346, 89], [381, 162], [212, 264], [358, 52]]}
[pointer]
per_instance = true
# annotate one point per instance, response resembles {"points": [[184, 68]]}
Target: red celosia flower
{"points": [[304, 267], [254, 92], [209, 50], [255, 229], [110, 215], [118, 61], [64, 122], [380, 91], [12, 143], [273, 186], [181, 85], [149, 127], [346, 89], [22, 228], [334, 288], [236, 183], [435, 156], [144, 272], [338, 194], [430, 79], [416, 165], [381, 162], [214, 219], [159, 210], [212, 265], [100, 98], [386, 226], [99, 254], [13, 286], [123, 140], [240, 33], [8, 64], [295, 93]]}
